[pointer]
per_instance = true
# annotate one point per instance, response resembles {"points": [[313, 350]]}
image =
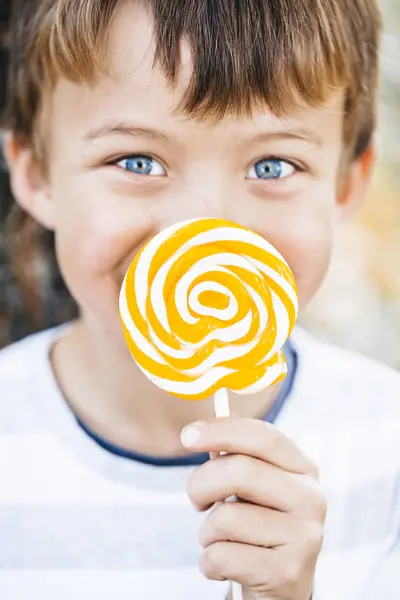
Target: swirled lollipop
{"points": [[206, 305]]}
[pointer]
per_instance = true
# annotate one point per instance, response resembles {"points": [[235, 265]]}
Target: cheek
{"points": [[95, 242], [88, 258], [307, 247], [303, 233], [308, 253]]}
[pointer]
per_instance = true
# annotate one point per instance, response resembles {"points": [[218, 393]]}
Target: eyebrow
{"points": [[121, 128], [305, 135], [130, 129]]}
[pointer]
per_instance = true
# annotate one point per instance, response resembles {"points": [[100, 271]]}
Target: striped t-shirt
{"points": [[79, 521]]}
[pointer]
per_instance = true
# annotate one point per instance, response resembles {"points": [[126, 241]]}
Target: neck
{"points": [[107, 391]]}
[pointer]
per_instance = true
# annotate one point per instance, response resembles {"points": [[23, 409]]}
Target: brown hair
{"points": [[245, 53]]}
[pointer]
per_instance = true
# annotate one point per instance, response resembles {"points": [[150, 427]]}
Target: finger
{"points": [[270, 573], [251, 437], [253, 525], [257, 482], [250, 566]]}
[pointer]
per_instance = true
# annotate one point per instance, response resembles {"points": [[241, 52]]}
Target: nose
{"points": [[205, 193]]}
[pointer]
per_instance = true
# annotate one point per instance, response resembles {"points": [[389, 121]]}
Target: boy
{"points": [[124, 117]]}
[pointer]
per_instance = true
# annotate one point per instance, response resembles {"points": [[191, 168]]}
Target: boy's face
{"points": [[123, 165]]}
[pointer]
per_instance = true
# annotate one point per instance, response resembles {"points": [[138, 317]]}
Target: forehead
{"points": [[135, 87]]}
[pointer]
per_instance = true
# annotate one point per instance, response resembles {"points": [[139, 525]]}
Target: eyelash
{"points": [[113, 162], [297, 168]]}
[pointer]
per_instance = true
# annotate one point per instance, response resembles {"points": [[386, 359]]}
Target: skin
{"points": [[102, 214]]}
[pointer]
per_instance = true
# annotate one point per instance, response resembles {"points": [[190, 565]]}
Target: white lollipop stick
{"points": [[221, 407], [221, 403]]}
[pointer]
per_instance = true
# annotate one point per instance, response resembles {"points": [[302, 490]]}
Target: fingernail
{"points": [[190, 436]]}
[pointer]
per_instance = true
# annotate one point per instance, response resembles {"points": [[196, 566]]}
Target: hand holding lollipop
{"points": [[206, 306]]}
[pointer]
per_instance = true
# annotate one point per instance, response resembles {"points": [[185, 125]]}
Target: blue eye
{"points": [[141, 165], [271, 168]]}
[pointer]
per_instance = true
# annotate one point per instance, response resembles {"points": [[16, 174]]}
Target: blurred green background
{"points": [[359, 303]]}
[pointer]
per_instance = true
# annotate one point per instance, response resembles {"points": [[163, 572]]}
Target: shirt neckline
{"points": [[198, 458], [89, 453]]}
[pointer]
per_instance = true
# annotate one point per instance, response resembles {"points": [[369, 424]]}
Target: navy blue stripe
{"points": [[199, 459], [287, 384]]}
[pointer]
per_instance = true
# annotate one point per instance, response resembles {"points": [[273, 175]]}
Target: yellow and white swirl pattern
{"points": [[208, 304]]}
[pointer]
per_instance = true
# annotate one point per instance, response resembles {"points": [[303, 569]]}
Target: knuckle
{"points": [[319, 506], [220, 524], [293, 575], [239, 465], [239, 469], [192, 488], [205, 535], [211, 562], [290, 566], [315, 538], [286, 575], [190, 482], [273, 436], [313, 469], [225, 520]]}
